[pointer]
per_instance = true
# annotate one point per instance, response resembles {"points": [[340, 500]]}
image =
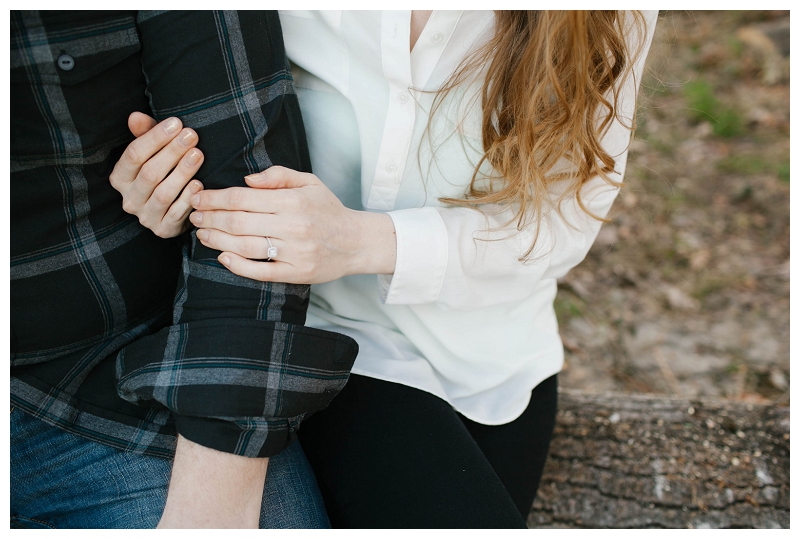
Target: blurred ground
{"points": [[686, 291]]}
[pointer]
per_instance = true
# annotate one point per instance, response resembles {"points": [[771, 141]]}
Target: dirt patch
{"points": [[686, 290]]}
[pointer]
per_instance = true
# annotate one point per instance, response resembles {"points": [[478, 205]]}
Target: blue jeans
{"points": [[59, 480]]}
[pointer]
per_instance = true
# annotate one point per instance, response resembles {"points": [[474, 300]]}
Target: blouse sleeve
{"points": [[464, 259]]}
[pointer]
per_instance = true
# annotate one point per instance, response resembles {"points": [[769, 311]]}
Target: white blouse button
{"points": [[391, 167], [402, 97], [437, 37]]}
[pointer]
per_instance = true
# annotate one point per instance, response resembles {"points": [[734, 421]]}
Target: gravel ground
{"points": [[686, 290]]}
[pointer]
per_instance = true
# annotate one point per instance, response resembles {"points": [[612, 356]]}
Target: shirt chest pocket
{"points": [[67, 48], [75, 74]]}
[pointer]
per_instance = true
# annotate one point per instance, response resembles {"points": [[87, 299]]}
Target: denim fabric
{"points": [[59, 480]]}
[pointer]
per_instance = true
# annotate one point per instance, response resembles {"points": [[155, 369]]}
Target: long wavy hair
{"points": [[551, 90]]}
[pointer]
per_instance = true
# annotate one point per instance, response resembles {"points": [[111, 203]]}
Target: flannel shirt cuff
{"points": [[238, 386]]}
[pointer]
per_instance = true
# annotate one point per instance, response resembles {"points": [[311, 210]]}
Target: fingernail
{"points": [[202, 234], [196, 217], [195, 200], [225, 260], [193, 157], [254, 177], [171, 125], [196, 186], [186, 138]]}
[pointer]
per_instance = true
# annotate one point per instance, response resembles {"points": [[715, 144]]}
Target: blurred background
{"points": [[686, 291]]}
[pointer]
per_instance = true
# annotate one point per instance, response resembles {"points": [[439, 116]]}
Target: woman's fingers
{"points": [[317, 238], [140, 123], [253, 247], [277, 271], [245, 199], [167, 190], [141, 149], [182, 207], [278, 177], [158, 167], [154, 174], [276, 189], [167, 207], [239, 223], [170, 220]]}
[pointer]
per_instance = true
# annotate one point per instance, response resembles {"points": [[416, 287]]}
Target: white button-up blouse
{"points": [[461, 317]]}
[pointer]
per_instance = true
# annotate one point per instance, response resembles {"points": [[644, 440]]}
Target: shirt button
{"points": [[391, 167], [66, 62], [402, 97], [437, 37]]}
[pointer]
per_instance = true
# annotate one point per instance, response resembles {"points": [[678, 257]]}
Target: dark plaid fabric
{"points": [[120, 336]]}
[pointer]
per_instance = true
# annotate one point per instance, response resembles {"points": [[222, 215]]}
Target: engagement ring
{"points": [[272, 252]]}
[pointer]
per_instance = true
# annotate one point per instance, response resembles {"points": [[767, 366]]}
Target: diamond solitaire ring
{"points": [[272, 252]]}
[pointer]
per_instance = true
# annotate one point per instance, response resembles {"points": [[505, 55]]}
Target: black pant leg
{"points": [[518, 450], [390, 456]]}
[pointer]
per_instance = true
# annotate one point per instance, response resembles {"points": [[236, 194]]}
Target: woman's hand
{"points": [[317, 238], [153, 173]]}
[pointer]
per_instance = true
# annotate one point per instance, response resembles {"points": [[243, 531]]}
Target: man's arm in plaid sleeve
{"points": [[237, 368]]}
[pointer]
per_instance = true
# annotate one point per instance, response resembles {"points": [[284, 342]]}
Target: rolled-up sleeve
{"points": [[237, 368]]}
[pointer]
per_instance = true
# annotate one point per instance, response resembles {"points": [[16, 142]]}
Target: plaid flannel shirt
{"points": [[120, 336]]}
